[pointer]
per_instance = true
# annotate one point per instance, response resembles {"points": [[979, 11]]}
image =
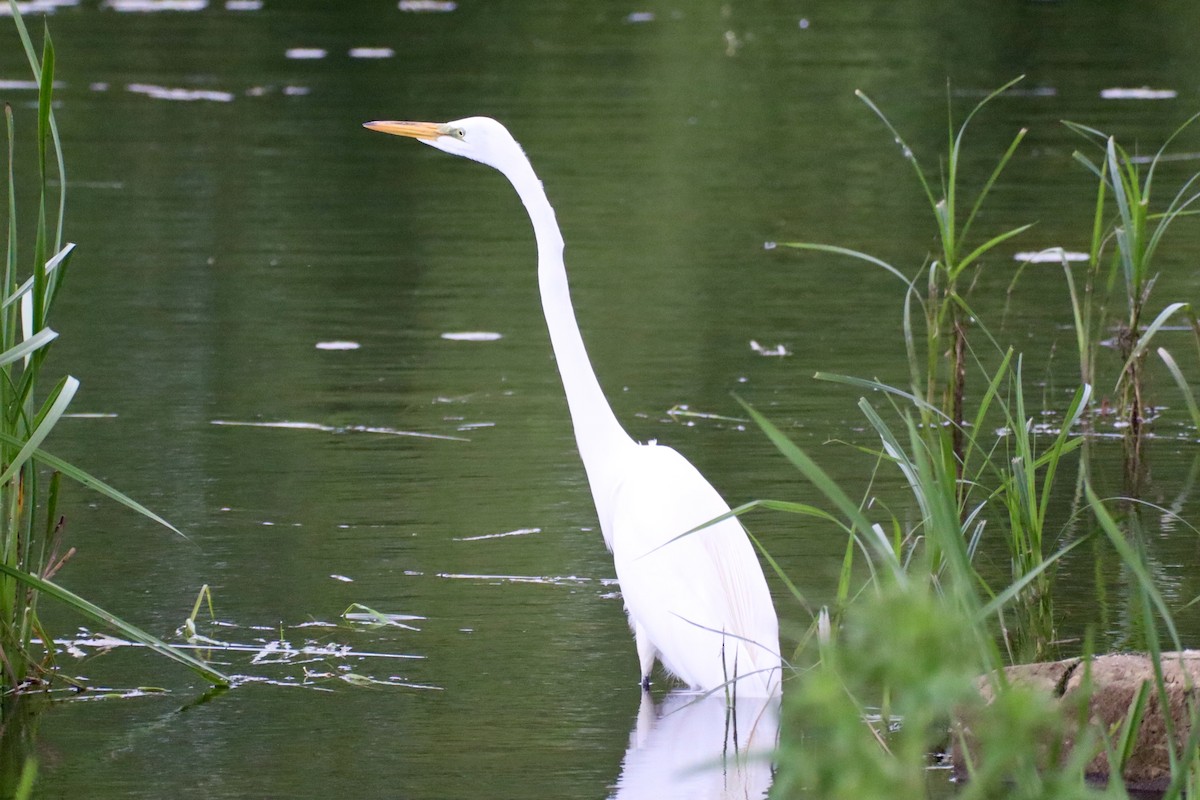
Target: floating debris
{"points": [[378, 618], [517, 532], [555, 580], [683, 410], [372, 52], [313, 426], [1150, 159], [91, 415], [472, 336], [338, 345], [243, 5], [37, 6], [1051, 255], [152, 6], [305, 53], [342, 578], [428, 6], [1139, 93], [777, 350], [185, 95]]}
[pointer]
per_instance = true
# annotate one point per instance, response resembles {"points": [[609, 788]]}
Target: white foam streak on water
{"points": [[1137, 93], [1051, 255], [37, 6], [179, 94], [338, 345], [472, 336], [372, 52], [243, 5], [314, 426], [517, 532], [557, 580], [428, 6], [305, 53], [151, 6]]}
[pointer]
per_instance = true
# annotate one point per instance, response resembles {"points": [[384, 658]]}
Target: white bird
{"points": [[699, 603]]}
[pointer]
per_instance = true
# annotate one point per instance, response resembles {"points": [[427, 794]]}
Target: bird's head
{"points": [[480, 139]]}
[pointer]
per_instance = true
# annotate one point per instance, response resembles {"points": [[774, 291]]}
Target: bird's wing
{"points": [[685, 590]]}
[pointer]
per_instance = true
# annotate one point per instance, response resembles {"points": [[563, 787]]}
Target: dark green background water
{"points": [[221, 240]]}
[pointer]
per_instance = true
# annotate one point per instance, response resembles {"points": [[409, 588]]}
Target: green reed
{"points": [[915, 621], [944, 300], [1134, 236], [31, 527]]}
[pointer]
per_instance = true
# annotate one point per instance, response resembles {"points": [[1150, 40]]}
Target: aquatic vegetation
{"points": [[31, 528], [916, 619], [1137, 231], [945, 306]]}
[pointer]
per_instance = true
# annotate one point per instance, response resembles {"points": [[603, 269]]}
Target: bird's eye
{"points": [[458, 133]]}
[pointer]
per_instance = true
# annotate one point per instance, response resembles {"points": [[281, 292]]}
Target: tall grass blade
{"points": [[986, 246], [908, 152], [87, 480], [126, 629], [1148, 334], [1133, 562], [826, 485], [56, 405], [1184, 387], [58, 260], [991, 181], [845, 251], [1129, 729], [27, 347]]}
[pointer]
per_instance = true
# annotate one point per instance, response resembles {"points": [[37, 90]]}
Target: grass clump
{"points": [[900, 665], [31, 528]]}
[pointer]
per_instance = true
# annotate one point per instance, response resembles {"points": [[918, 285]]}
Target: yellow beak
{"points": [[413, 130]]}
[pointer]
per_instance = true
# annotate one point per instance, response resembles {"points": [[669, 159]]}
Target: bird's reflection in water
{"points": [[697, 747]]}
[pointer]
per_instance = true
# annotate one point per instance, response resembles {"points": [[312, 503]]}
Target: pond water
{"points": [[234, 220]]}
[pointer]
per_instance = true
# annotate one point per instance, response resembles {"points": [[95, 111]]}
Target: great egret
{"points": [[697, 602]]}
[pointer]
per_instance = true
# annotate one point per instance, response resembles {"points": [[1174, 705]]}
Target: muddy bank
{"points": [[1115, 681]]}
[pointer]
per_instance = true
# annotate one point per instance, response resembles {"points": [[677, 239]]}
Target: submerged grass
{"points": [[31, 528], [901, 654]]}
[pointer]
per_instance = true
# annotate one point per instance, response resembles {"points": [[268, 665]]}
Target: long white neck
{"points": [[597, 431]]}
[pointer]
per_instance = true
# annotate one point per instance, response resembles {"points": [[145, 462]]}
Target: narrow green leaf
{"points": [[1130, 728], [22, 350], [991, 181], [908, 152], [1184, 388], [988, 245], [829, 248], [126, 629], [58, 260], [1016, 587], [780, 572], [90, 482], [1132, 561], [877, 386], [826, 485], [1148, 334], [56, 404]]}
